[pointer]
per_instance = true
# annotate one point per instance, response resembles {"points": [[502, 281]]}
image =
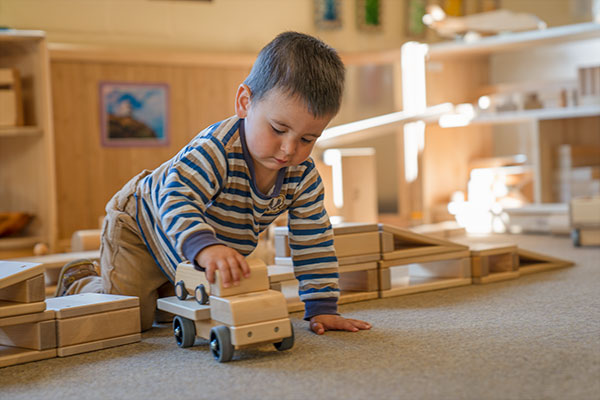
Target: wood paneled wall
{"points": [[87, 173]]}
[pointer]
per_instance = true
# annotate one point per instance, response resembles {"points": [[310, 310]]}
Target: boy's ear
{"points": [[242, 100]]}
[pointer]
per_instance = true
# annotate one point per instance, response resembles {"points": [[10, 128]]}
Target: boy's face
{"points": [[280, 131]]}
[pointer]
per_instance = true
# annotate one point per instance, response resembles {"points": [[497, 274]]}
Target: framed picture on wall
{"points": [[134, 114]]}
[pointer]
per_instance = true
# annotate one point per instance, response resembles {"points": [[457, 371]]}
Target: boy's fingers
{"points": [[234, 270], [210, 273], [244, 265], [317, 328], [225, 274], [360, 324]]}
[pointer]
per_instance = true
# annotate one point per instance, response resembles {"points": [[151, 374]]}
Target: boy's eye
{"points": [[307, 140], [276, 130]]}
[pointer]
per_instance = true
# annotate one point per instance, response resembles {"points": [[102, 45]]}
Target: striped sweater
{"points": [[207, 194]]}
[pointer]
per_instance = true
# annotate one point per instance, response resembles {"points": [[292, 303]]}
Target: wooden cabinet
{"points": [[27, 152]]}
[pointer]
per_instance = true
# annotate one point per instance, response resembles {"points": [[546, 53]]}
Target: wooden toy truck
{"points": [[230, 318]]}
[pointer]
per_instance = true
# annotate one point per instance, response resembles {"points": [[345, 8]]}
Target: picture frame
{"points": [[328, 14], [133, 114], [369, 16]]}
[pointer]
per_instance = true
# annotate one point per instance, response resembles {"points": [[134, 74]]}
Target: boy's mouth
{"points": [[280, 161]]}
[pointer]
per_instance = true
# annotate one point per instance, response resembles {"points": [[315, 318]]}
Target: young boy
{"points": [[211, 201]]}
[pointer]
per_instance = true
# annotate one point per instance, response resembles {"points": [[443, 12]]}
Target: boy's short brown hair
{"points": [[302, 65]]}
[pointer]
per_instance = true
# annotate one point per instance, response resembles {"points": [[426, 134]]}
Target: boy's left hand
{"points": [[321, 323]]}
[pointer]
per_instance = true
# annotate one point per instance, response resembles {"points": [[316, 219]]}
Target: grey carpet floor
{"points": [[537, 337]]}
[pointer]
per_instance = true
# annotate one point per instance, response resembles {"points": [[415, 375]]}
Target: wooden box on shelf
{"points": [[11, 107]]}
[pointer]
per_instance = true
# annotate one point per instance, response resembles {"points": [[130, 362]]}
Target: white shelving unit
{"points": [[459, 73]]}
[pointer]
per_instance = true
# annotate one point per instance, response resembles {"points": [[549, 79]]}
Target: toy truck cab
{"points": [[230, 318]]}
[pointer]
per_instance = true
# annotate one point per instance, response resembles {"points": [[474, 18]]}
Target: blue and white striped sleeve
{"points": [[189, 185], [311, 244]]}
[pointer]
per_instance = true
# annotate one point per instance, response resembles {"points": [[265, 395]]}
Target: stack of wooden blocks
{"points": [[412, 263], [385, 261], [32, 328], [358, 250], [27, 329]]}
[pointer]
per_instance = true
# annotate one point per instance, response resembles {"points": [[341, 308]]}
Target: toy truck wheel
{"points": [[184, 331], [576, 237], [180, 290], [287, 343], [201, 295], [220, 343]]}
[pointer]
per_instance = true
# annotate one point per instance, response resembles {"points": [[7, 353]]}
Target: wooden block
{"points": [[342, 261], [89, 303], [284, 261], [99, 326], [493, 262], [356, 244], [531, 262], [98, 345], [52, 263], [419, 285], [359, 281], [35, 336], [282, 247], [289, 289], [189, 308], [385, 279], [585, 211], [13, 272], [14, 355], [85, 240], [496, 277], [8, 107], [346, 228], [258, 281], [249, 308], [410, 244], [358, 267], [425, 258], [387, 242], [191, 278], [27, 318], [588, 236], [11, 98], [425, 276], [11, 308], [29, 291], [278, 273], [270, 331], [355, 297], [479, 267]]}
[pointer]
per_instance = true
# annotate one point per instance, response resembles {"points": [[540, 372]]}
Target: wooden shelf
{"points": [[376, 126], [516, 41], [14, 131], [542, 114], [19, 242]]}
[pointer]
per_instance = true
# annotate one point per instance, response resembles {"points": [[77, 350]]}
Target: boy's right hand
{"points": [[231, 264]]}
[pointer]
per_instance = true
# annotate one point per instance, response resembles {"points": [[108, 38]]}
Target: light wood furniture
{"points": [[27, 151], [518, 64]]}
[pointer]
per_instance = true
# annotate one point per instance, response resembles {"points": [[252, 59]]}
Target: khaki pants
{"points": [[127, 266]]}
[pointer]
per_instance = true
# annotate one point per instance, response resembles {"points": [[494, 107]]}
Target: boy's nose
{"points": [[288, 147]]}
